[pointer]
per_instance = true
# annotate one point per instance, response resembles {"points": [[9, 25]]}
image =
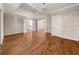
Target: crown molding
{"points": [[62, 9]]}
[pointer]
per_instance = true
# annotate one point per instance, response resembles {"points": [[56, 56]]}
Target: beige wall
{"points": [[12, 25], [69, 25]]}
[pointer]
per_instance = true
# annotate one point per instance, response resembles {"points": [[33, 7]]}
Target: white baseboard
{"points": [[71, 38], [67, 38]]}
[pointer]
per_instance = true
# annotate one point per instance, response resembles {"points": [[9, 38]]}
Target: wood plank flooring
{"points": [[38, 43]]}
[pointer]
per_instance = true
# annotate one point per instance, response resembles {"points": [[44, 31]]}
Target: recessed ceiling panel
{"points": [[48, 7]]}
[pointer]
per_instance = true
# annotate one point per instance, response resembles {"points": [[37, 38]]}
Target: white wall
{"points": [[24, 25], [40, 25], [69, 25], [12, 24], [34, 27], [27, 25], [1, 24], [56, 25], [48, 24]]}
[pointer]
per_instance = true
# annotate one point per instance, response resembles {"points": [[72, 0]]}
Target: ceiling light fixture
{"points": [[43, 3], [44, 7]]}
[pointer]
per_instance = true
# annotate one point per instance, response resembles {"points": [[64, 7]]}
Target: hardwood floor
{"points": [[38, 43], [57, 46]]}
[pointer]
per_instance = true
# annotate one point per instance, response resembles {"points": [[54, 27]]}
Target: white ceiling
{"points": [[10, 7], [33, 10], [28, 11], [49, 7]]}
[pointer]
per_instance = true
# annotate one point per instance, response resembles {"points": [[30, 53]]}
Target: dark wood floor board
{"points": [[38, 43]]}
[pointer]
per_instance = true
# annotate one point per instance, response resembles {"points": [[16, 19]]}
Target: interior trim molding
{"points": [[67, 38], [70, 38], [64, 8], [13, 34]]}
